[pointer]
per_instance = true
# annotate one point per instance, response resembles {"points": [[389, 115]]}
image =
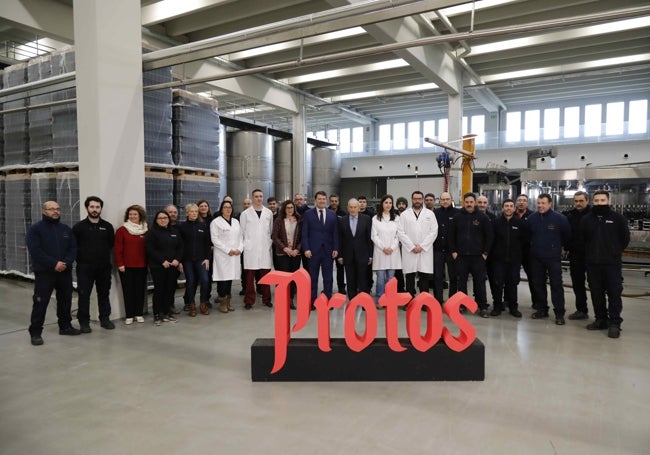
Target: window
{"points": [[464, 126], [443, 130], [357, 139], [593, 120], [429, 130], [638, 117], [320, 134], [478, 128], [333, 136], [531, 125], [399, 136], [513, 127], [414, 135], [614, 119], [552, 123], [344, 144], [384, 137], [571, 121]]}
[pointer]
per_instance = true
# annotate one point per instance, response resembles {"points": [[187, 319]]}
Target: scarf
{"points": [[134, 228]]}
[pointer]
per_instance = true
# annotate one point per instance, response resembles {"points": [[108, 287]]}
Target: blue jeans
{"points": [[382, 278], [196, 274]]}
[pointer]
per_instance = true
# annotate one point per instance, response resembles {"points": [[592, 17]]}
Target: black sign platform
{"points": [[306, 362]]}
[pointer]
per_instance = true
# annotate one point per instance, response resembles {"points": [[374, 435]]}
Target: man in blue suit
{"points": [[320, 243], [356, 248]]}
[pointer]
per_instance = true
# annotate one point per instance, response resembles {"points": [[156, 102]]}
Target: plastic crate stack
{"points": [[159, 191], [16, 139], [157, 105], [3, 226], [64, 117], [67, 195], [40, 120], [190, 188], [17, 203], [196, 131]]}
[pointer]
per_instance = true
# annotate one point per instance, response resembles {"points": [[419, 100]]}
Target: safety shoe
{"points": [[578, 315], [85, 327], [614, 331], [515, 312], [69, 331], [559, 320], [598, 324], [37, 340], [540, 314], [495, 312], [107, 324]]}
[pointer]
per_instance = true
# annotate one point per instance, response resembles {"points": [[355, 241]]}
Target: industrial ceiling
{"points": [[358, 62]]}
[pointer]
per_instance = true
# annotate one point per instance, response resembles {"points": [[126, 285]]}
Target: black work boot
{"points": [[614, 331], [598, 324]]}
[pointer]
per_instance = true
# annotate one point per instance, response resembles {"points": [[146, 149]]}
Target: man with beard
{"points": [[606, 235], [417, 229], [95, 238], [523, 212], [441, 253], [577, 264], [401, 204], [470, 240], [429, 201], [53, 249]]}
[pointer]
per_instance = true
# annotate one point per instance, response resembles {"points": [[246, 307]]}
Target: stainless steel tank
{"points": [[283, 164], [326, 170], [249, 157]]}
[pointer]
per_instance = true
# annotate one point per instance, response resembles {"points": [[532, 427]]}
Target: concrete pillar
{"points": [[109, 109], [301, 162], [455, 132]]}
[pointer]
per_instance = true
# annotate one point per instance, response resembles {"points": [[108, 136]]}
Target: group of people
{"points": [[439, 247]]}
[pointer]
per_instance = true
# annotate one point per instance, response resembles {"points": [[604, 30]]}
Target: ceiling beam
{"points": [[167, 10], [42, 17]]}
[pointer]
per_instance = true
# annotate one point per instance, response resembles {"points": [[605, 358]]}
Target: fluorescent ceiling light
{"points": [[467, 7], [386, 92], [294, 44], [561, 35], [570, 68], [349, 71]]}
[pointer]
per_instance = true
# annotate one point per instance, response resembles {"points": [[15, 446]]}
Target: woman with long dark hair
{"points": [[131, 261], [164, 253], [386, 256], [228, 244], [286, 241]]}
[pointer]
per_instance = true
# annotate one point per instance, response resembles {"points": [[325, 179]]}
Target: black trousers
{"points": [[356, 275], [224, 288], [44, 284], [505, 276], [289, 264], [474, 265], [100, 277], [540, 268], [440, 260], [578, 268], [164, 289], [340, 277], [423, 282], [606, 284], [134, 287]]}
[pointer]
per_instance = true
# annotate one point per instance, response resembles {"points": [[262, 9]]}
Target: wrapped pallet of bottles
{"points": [[196, 131], [17, 202], [157, 105], [15, 124]]}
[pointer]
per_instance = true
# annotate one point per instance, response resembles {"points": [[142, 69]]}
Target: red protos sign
{"points": [[391, 301]]}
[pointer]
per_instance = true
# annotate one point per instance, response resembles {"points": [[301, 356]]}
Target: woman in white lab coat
{"points": [[228, 244], [386, 257]]}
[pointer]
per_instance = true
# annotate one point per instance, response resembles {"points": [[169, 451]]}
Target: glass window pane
{"points": [[384, 137], [443, 130], [464, 127], [614, 118], [513, 127], [357, 139], [345, 140], [552, 123], [414, 135], [531, 125], [572, 121], [399, 136], [429, 130], [638, 123], [333, 136], [478, 128], [320, 134], [593, 120]]}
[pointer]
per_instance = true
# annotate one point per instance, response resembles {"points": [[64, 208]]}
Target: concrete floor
{"points": [[185, 388]]}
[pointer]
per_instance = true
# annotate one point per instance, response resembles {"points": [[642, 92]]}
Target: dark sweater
{"points": [[94, 242], [549, 232], [444, 216], [470, 234], [576, 246], [605, 237], [163, 244], [196, 241], [510, 239], [50, 241]]}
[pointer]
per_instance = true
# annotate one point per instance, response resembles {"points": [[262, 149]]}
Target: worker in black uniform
{"points": [[441, 253], [576, 250], [95, 238]]}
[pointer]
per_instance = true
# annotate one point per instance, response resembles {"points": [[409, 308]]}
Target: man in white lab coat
{"points": [[256, 225], [417, 229]]}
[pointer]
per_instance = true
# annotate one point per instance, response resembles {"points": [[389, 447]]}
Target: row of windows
{"points": [[548, 124]]}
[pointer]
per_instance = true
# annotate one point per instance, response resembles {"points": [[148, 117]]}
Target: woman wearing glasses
{"points": [[164, 253]]}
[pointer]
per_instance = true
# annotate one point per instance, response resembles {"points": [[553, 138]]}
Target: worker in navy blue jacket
{"points": [[510, 238], [53, 249], [605, 234], [320, 243], [470, 240], [549, 233]]}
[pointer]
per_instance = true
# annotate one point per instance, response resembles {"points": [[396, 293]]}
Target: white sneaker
{"points": [[139, 319], [128, 321]]}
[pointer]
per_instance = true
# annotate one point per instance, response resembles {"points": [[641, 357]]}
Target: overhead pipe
{"points": [[430, 40]]}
